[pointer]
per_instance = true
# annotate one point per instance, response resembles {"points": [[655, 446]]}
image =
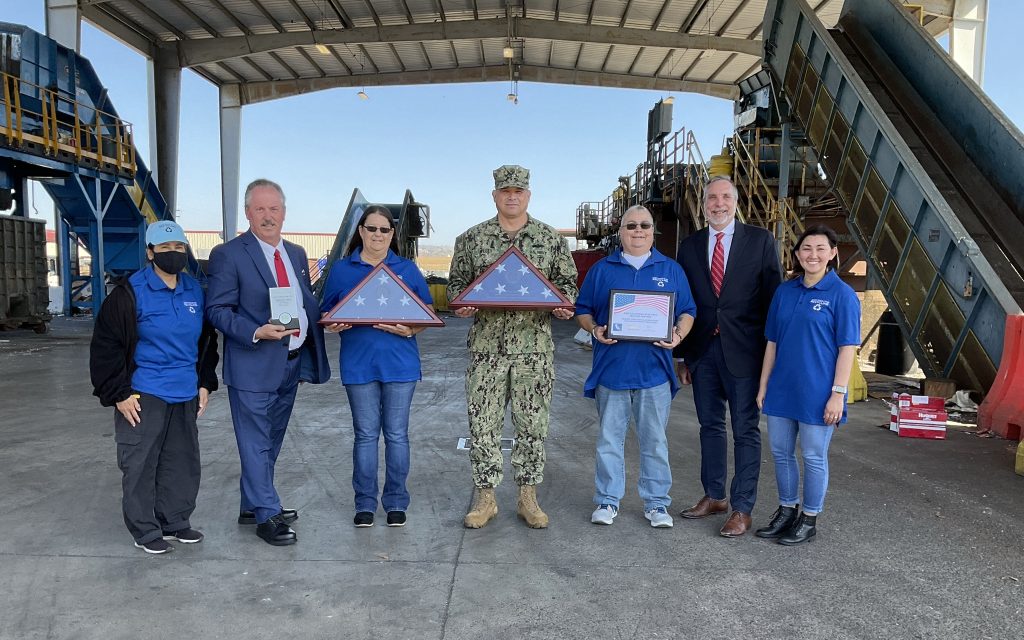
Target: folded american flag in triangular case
{"points": [[512, 282], [382, 298]]}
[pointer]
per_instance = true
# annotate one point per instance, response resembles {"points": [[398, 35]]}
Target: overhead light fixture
{"points": [[511, 97], [670, 100], [362, 95], [508, 52], [322, 48]]}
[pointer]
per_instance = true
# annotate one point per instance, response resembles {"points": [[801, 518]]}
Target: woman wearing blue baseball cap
{"points": [[154, 359]]}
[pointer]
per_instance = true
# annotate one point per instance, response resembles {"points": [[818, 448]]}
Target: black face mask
{"points": [[171, 262]]}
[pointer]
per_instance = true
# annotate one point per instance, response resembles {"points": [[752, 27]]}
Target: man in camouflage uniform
{"points": [[511, 351]]}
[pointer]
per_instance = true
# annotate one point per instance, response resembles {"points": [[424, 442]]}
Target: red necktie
{"points": [[282, 275], [718, 264]]}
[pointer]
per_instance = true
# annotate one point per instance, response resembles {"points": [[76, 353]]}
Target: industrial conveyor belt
{"points": [[926, 166]]}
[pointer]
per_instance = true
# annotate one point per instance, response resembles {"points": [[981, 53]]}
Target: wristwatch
{"points": [[839, 389]]}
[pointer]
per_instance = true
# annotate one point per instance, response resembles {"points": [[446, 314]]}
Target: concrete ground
{"points": [[919, 539]]}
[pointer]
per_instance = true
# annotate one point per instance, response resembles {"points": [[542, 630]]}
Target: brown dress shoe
{"points": [[736, 525], [704, 508]]}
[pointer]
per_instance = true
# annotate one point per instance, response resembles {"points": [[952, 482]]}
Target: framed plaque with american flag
{"points": [[382, 298], [640, 315], [512, 282]]}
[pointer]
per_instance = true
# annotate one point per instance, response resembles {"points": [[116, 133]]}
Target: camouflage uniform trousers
{"points": [[492, 381]]}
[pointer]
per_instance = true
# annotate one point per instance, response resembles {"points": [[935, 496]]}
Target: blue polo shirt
{"points": [[368, 354], [808, 325], [169, 323], [627, 364]]}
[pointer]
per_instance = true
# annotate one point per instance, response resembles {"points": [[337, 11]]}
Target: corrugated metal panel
{"points": [[440, 55], [412, 56], [642, 13], [563, 54], [383, 58], [649, 61], [592, 56], [620, 58], [679, 62], [468, 52], [359, 12], [297, 62]]}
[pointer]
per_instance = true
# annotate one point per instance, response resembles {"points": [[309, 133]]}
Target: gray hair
{"points": [[637, 207], [714, 179], [262, 182]]}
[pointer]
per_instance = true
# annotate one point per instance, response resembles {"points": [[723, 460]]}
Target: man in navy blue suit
{"points": [[264, 362], [733, 270]]}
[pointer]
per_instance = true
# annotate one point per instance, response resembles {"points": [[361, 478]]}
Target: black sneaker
{"points": [[396, 518], [288, 515], [155, 546], [363, 519], [187, 536]]}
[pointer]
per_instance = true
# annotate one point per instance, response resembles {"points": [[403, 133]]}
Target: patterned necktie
{"points": [[282, 275], [718, 263]]}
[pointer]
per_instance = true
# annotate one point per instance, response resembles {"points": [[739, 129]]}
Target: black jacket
{"points": [[112, 350], [751, 277]]}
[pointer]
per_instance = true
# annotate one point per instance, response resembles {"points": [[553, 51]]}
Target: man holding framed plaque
{"points": [[251, 279], [636, 304], [511, 351]]}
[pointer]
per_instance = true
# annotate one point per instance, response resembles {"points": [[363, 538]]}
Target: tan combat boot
{"points": [[484, 508], [529, 510]]}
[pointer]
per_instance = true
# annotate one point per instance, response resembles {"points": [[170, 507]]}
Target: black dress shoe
{"points": [[781, 521], [248, 517], [276, 532], [802, 531]]}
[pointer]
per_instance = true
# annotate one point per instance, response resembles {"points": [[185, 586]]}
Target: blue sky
{"points": [[439, 141]]}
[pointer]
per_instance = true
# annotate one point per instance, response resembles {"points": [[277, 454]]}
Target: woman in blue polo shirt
{"points": [[633, 379], [154, 359], [380, 366], [813, 332]]}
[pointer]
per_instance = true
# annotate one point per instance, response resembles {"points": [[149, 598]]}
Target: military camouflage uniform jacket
{"points": [[512, 331]]}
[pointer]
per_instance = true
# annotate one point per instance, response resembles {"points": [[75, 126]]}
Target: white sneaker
{"points": [[605, 514], [659, 517]]}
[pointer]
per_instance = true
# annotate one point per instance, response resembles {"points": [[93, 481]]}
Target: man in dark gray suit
{"points": [[733, 270]]}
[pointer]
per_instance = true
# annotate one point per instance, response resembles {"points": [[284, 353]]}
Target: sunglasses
{"points": [[643, 225], [372, 229]]}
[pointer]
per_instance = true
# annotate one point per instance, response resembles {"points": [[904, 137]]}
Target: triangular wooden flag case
{"points": [[512, 282], [382, 298]]}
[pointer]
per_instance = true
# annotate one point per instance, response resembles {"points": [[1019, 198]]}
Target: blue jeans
{"points": [[380, 407], [649, 409], [814, 440]]}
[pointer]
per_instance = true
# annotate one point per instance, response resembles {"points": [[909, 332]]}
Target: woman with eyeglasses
{"points": [[380, 366], [813, 332], [633, 379]]}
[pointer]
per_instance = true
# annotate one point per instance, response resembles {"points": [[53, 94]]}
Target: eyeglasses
{"points": [[372, 229], [643, 225]]}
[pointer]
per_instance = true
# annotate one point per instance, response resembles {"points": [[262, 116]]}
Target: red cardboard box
{"points": [[922, 423], [904, 401]]}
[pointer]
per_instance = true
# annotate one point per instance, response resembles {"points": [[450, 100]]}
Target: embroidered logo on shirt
{"points": [[192, 305], [661, 281], [818, 303]]}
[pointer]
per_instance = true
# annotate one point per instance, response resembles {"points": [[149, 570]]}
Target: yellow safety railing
{"points": [[760, 201], [61, 126]]}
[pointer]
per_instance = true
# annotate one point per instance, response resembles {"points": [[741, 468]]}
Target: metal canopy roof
{"points": [[278, 48]]}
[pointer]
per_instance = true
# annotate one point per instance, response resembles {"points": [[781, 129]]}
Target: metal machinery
{"points": [[58, 126], [411, 221], [872, 129]]}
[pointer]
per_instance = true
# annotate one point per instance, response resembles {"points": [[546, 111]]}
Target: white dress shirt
{"points": [[268, 250], [726, 242]]}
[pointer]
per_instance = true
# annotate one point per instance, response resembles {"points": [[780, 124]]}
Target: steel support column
{"points": [[64, 22], [967, 37], [164, 75], [230, 155]]}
